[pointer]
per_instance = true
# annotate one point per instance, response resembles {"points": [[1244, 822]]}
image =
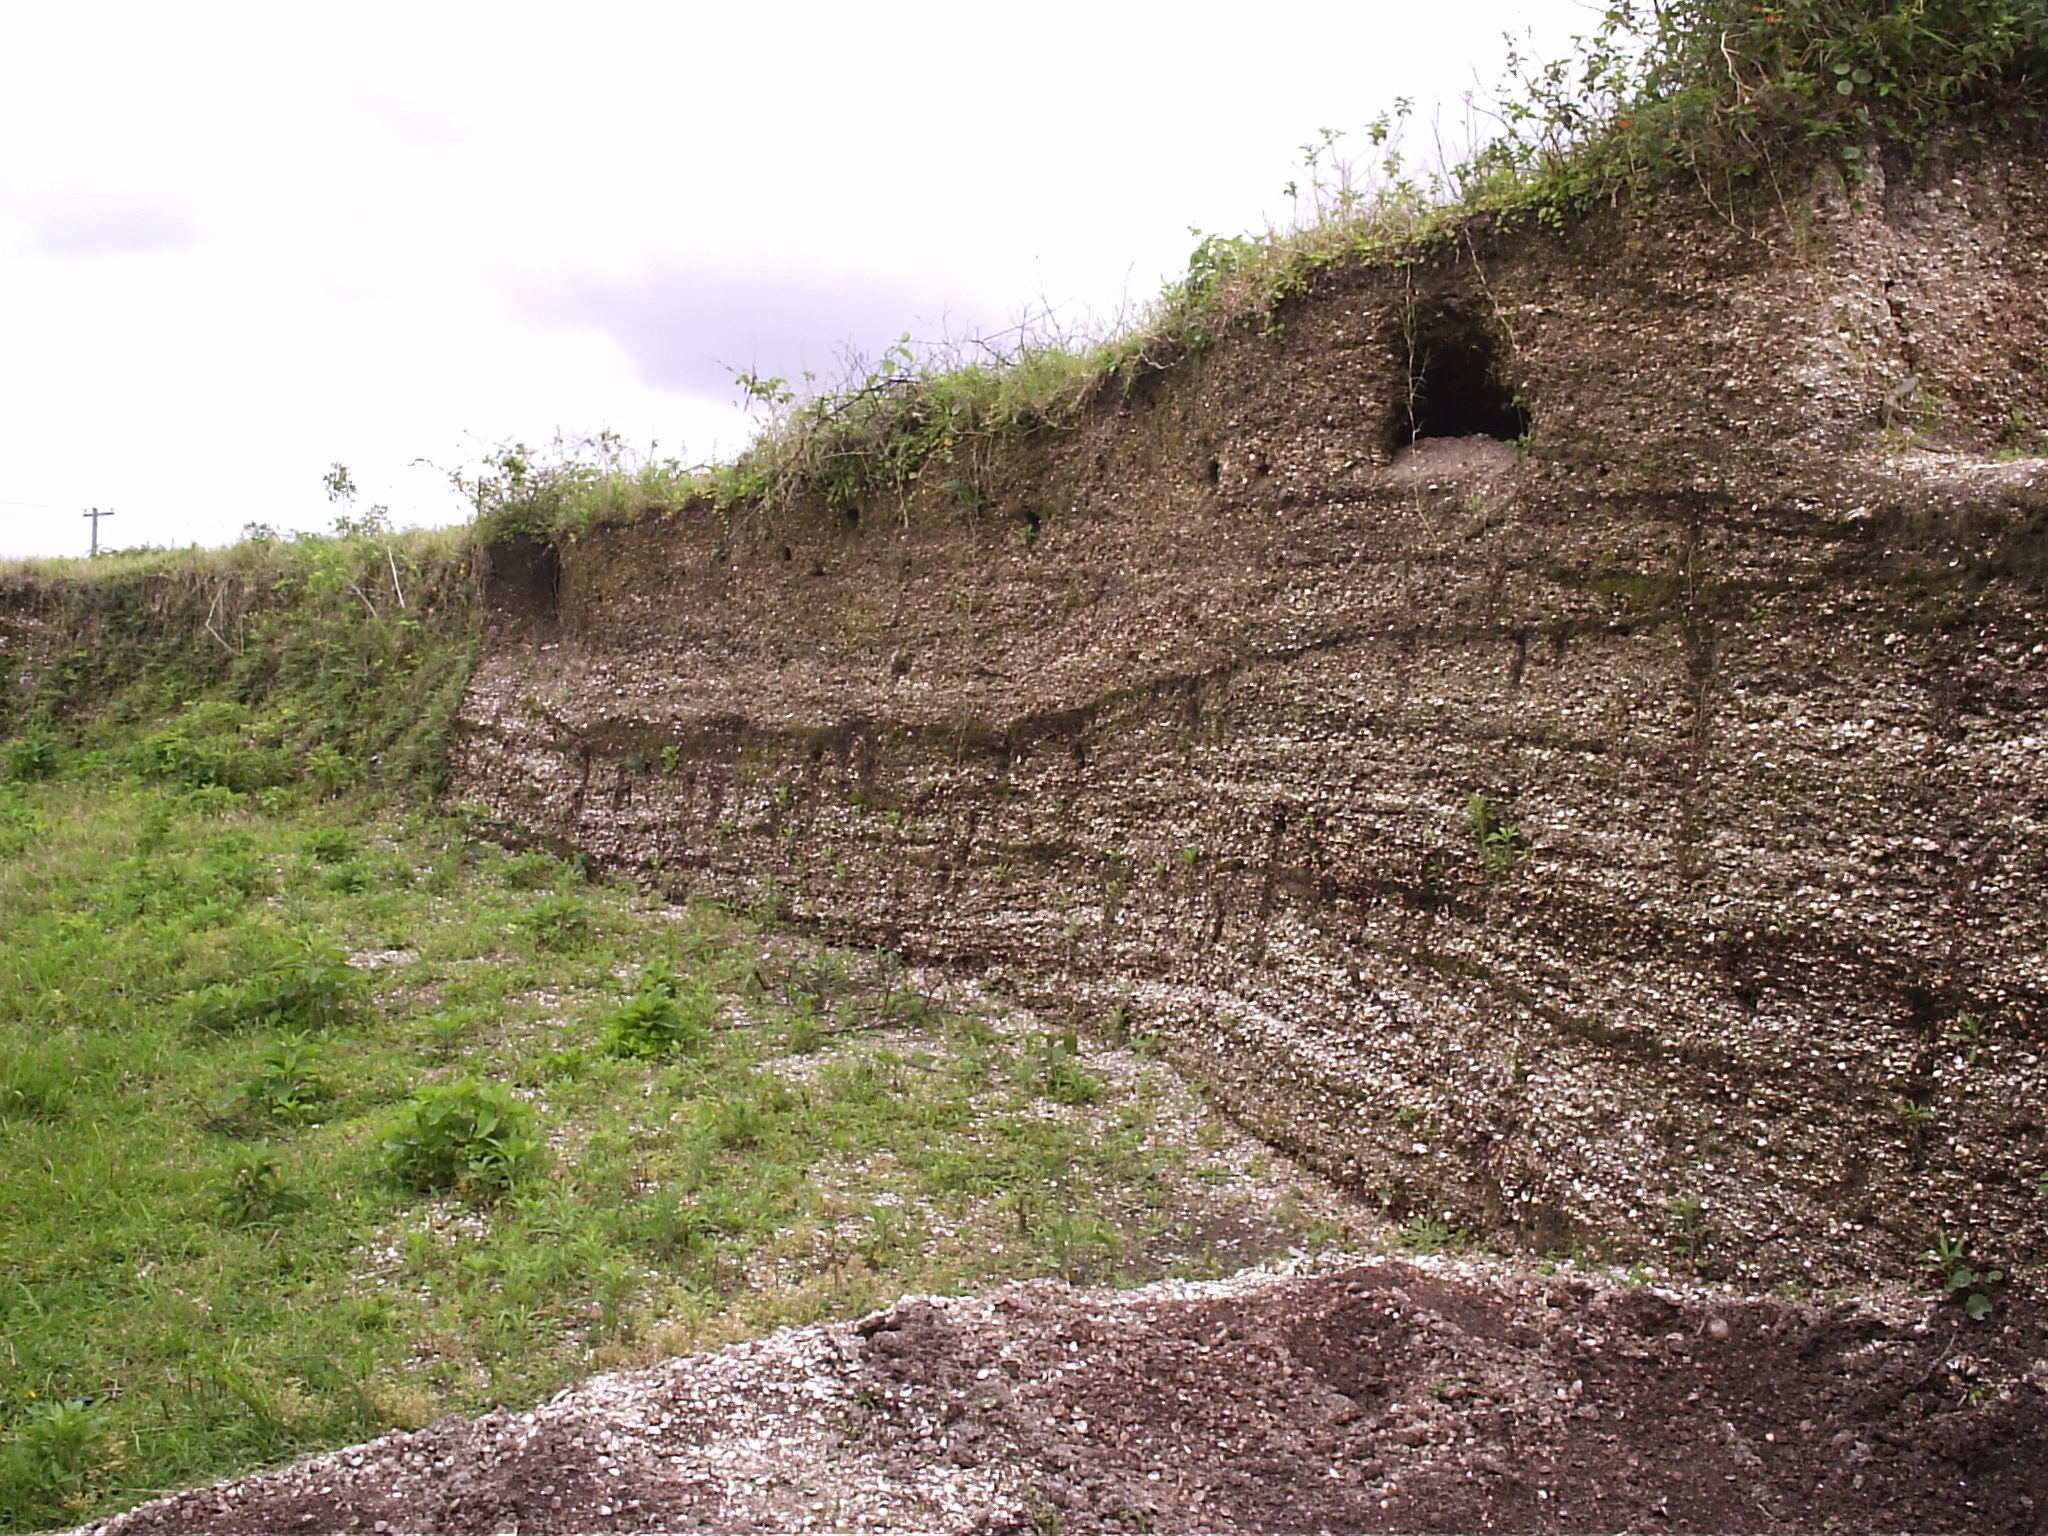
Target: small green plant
{"points": [[32, 1088], [770, 906], [465, 1135], [1962, 1277], [255, 1193], [1119, 1023], [1687, 1228], [1434, 1234], [667, 1016], [1053, 1069], [563, 1065], [286, 1088], [1214, 258], [1500, 840], [314, 988], [558, 924], [738, 1122], [889, 1233], [1082, 1245], [1971, 1032]]}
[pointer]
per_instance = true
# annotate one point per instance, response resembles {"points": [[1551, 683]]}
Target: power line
{"points": [[96, 514]]}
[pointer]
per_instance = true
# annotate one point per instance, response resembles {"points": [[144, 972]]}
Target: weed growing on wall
{"points": [[1498, 837]]}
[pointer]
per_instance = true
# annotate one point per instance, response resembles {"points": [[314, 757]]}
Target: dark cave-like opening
{"points": [[1455, 387]]}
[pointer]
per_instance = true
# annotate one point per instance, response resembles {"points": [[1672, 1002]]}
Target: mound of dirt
{"points": [[1432, 1395]]}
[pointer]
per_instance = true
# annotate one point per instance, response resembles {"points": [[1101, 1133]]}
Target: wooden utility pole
{"points": [[96, 514]]}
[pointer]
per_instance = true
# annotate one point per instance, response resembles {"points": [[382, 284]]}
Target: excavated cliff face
{"points": [[1176, 720]]}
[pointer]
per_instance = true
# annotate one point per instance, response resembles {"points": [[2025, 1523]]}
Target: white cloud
{"points": [[390, 231], [110, 224], [687, 323]]}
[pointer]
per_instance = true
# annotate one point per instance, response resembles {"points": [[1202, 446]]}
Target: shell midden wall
{"points": [[1175, 721]]}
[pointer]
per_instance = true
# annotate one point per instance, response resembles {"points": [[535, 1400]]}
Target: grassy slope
{"points": [[209, 1261]]}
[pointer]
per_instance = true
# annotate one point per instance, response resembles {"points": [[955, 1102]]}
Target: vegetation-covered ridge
{"points": [[1734, 100], [318, 664]]}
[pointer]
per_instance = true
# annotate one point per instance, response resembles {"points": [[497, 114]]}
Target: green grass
{"points": [[309, 668], [216, 1259]]}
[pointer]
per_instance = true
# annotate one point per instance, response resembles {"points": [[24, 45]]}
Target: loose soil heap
{"points": [[1433, 1395]]}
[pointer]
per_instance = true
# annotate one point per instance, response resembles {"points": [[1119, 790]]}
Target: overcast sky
{"points": [[240, 244]]}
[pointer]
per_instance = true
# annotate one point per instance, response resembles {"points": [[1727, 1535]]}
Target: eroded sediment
{"points": [[1429, 1396], [1177, 716]]}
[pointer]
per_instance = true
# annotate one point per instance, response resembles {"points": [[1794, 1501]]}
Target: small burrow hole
{"points": [[1454, 384]]}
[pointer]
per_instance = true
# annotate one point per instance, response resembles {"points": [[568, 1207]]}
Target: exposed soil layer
{"points": [[1434, 1395], [1739, 961]]}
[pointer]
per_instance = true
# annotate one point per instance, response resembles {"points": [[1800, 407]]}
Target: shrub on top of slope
{"points": [[1719, 92]]}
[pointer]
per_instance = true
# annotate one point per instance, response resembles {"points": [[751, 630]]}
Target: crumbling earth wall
{"points": [[1175, 720]]}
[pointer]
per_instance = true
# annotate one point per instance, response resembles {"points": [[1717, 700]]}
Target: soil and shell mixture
{"points": [[1622, 801], [1433, 1394]]}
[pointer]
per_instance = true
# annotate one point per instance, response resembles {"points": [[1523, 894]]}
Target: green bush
{"points": [[746, 1115], [331, 845], [316, 988], [54, 1452], [231, 862], [467, 1135], [558, 923], [20, 826], [207, 747], [255, 1193], [30, 757], [531, 871], [1716, 90], [667, 1017]]}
